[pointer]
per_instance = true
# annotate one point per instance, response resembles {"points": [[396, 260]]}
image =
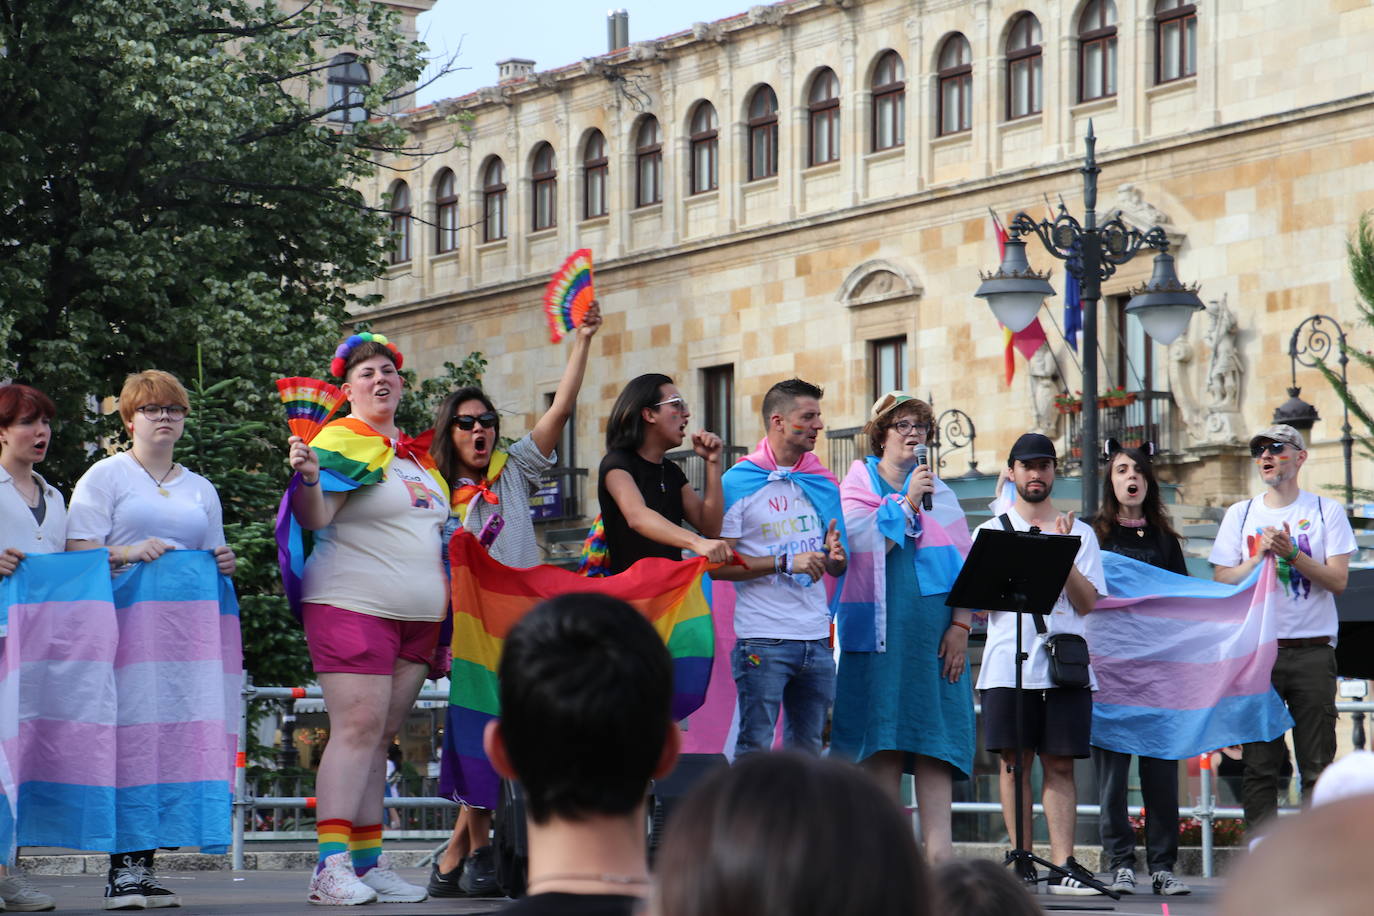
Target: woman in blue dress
{"points": [[904, 698]]}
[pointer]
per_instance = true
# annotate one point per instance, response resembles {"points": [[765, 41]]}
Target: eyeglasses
{"points": [[678, 401], [158, 411], [906, 426], [468, 421], [1273, 448]]}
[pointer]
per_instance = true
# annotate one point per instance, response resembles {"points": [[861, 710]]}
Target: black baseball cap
{"points": [[1031, 446]]}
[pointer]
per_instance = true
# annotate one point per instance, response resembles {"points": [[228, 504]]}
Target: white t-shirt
{"points": [[19, 530], [777, 519], [999, 657], [377, 557], [116, 502], [1320, 529]]}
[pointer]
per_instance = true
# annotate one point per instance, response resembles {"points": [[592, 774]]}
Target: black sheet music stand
{"points": [[1022, 572]]}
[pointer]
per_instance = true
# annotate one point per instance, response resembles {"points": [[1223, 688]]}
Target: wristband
{"points": [[308, 483], [786, 560], [914, 507], [955, 623], [777, 563], [1294, 555]]}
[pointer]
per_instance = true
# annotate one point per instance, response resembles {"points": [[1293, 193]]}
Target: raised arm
{"points": [[550, 426], [313, 508], [706, 513]]}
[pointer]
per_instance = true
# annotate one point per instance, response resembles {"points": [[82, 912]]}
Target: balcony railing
{"points": [[560, 496], [694, 466], [1149, 416]]}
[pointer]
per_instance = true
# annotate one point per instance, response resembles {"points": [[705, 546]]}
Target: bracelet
{"points": [[308, 483], [1294, 555], [914, 507], [786, 561], [777, 563], [955, 623]]}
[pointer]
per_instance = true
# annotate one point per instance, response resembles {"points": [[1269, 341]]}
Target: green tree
{"points": [[1361, 253]]}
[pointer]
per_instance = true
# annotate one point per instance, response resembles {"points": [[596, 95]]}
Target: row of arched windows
{"points": [[1175, 58]]}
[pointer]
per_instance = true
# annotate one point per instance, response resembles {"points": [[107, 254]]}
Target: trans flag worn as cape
{"points": [[942, 542], [119, 703], [1183, 664], [489, 598], [352, 455]]}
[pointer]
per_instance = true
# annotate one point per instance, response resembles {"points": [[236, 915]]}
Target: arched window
{"points": [[824, 104], [545, 177], [889, 102], [594, 176], [648, 163], [400, 222], [494, 201], [445, 212], [1175, 40], [763, 133], [956, 85], [1097, 51], [347, 81], [704, 140], [1025, 67]]}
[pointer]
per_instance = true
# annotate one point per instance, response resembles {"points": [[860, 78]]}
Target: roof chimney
{"points": [[514, 70], [617, 30]]}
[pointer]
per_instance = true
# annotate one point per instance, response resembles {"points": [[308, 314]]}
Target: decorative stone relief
{"points": [[875, 281], [1045, 380], [1223, 423], [767, 15], [1134, 209], [709, 31]]}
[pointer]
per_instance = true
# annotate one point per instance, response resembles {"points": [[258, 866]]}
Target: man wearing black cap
{"points": [[1311, 541], [1055, 721]]}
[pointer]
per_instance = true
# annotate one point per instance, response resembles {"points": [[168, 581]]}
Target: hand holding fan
{"points": [[309, 404], [569, 294]]}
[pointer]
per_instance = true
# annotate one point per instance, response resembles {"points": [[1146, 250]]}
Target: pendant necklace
{"points": [[161, 490], [1136, 523]]}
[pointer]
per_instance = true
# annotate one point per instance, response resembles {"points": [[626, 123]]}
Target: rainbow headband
{"points": [[336, 365]]}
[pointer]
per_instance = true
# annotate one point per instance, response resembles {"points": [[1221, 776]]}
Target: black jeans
{"points": [[1305, 676], [1159, 787]]}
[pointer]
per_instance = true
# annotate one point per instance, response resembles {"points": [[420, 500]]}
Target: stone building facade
{"points": [[805, 188]]}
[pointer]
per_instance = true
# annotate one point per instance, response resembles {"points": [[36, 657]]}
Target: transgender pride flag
{"points": [[119, 703], [1183, 664]]}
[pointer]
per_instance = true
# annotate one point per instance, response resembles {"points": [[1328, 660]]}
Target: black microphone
{"points": [[922, 458]]}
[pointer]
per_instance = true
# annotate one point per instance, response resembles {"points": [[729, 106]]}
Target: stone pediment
{"points": [[875, 281], [1135, 211]]}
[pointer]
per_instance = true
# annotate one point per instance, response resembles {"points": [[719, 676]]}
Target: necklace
{"points": [[161, 490], [604, 878], [31, 502], [1137, 523]]}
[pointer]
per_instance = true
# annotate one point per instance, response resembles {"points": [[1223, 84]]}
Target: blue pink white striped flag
{"points": [[1183, 664]]}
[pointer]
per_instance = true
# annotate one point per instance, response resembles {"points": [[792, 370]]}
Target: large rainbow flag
{"points": [[119, 703], [489, 598], [1183, 664]]}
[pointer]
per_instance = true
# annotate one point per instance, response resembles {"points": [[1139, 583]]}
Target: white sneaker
{"points": [[1166, 884], [1124, 882], [338, 885], [391, 887], [21, 896]]}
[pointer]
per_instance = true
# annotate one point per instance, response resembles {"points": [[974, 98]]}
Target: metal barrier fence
{"points": [[245, 804]]}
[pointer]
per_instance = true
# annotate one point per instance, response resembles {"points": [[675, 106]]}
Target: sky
{"points": [[552, 33]]}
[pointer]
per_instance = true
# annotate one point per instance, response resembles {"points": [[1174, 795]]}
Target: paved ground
{"points": [[282, 893]]}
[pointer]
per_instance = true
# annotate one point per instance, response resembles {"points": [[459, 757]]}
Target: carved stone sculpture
{"points": [[1222, 422], [1138, 211], [1045, 384]]}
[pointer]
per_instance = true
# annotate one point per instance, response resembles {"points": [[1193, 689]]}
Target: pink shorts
{"points": [[349, 642]]}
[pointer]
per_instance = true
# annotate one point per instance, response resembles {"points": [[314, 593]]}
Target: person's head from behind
{"points": [[586, 708], [784, 834], [792, 416], [649, 405], [979, 887], [1033, 463]]}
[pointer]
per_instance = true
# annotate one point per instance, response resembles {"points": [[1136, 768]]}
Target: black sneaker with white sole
{"points": [[1075, 882], [123, 890], [445, 883], [153, 891]]}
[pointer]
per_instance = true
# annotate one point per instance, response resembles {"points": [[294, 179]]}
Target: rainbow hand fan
{"points": [[569, 294], [309, 404]]}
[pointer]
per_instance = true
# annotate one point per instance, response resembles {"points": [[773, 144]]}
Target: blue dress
{"points": [[897, 700]]}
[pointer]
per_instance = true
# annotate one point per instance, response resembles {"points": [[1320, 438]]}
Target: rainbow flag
{"points": [[489, 598], [119, 703], [1183, 664]]}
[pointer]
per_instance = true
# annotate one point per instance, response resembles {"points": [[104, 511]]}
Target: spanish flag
{"points": [[489, 599]]}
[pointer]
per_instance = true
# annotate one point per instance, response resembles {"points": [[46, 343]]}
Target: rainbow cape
{"points": [[1183, 664], [942, 542], [488, 599], [119, 703], [352, 455]]}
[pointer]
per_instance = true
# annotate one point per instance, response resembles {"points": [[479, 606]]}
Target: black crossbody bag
{"points": [[1068, 652]]}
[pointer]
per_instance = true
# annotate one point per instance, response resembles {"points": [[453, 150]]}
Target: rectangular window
{"points": [[545, 203], [887, 359], [703, 165], [650, 187], [718, 384], [763, 150], [825, 135], [889, 120], [596, 191], [494, 217], [1026, 77], [1176, 50]]}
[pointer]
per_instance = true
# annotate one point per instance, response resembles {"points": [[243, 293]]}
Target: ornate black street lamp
{"points": [[1311, 344], [1091, 253]]}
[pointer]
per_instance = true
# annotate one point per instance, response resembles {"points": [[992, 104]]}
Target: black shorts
{"points": [[1057, 721]]}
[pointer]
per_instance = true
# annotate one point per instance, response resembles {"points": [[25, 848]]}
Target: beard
{"points": [[1037, 497]]}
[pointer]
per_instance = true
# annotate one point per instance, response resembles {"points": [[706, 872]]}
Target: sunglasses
{"points": [[467, 421], [1273, 448], [677, 402]]}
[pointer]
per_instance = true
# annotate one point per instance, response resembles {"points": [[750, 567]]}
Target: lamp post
{"points": [[1310, 345], [1091, 253]]}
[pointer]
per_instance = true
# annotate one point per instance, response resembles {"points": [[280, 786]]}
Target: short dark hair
{"points": [[780, 397], [915, 408], [441, 447], [21, 404], [978, 887], [586, 705], [625, 426], [749, 839]]}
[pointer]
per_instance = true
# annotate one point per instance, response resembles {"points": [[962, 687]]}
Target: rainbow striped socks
{"points": [[333, 837], [366, 848]]}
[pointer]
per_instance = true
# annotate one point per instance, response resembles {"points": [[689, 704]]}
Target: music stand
{"points": [[1022, 572]]}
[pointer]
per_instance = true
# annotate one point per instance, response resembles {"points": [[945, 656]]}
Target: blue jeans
{"points": [[796, 674]]}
